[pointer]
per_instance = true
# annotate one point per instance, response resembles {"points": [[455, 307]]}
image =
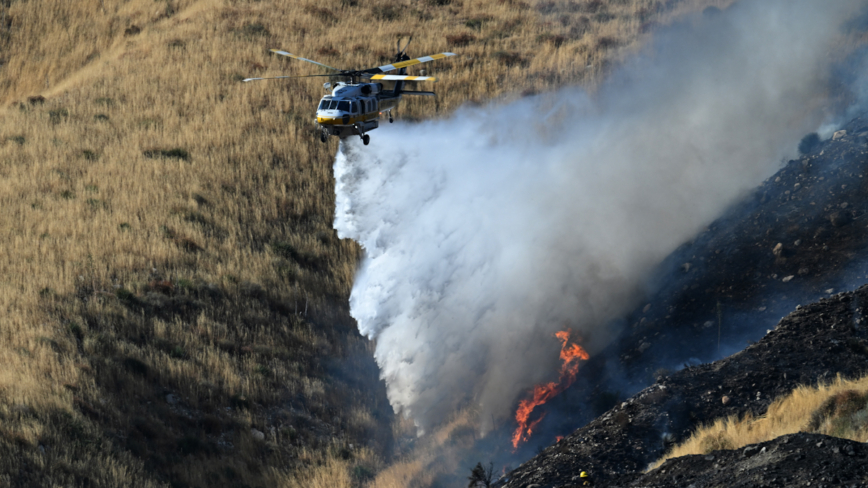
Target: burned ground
{"points": [[814, 343], [797, 239], [790, 460]]}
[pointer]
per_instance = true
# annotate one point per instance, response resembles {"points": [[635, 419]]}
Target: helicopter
{"points": [[354, 108]]}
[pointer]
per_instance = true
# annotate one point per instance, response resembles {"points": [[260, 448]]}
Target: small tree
{"points": [[481, 477]]}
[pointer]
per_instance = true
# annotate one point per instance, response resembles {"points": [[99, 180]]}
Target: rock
{"points": [[838, 134], [647, 308], [750, 451], [172, 399], [724, 400], [787, 279], [778, 250], [257, 434]]}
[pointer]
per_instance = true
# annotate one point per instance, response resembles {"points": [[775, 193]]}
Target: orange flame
{"points": [[570, 355], [559, 438]]}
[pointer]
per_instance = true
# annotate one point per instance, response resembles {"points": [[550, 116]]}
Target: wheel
{"points": [[366, 139], [323, 136], [390, 118]]}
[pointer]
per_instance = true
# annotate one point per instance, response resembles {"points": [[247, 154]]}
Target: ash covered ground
{"points": [[797, 239]]}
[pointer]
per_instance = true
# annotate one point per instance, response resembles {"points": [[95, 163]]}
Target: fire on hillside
{"points": [[571, 354]]}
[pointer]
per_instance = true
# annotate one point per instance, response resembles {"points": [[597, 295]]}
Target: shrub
{"points": [[255, 30], [607, 42], [75, 330], [509, 58], [808, 143], [135, 366], [178, 352], [480, 476], [386, 13], [328, 51], [475, 23], [56, 116], [124, 294], [177, 153], [321, 13], [838, 408], [239, 402], [555, 40], [458, 40]]}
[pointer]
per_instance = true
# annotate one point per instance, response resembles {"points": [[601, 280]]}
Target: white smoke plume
{"points": [[487, 232]]}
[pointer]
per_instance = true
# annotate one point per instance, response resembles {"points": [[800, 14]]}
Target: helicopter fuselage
{"points": [[354, 108]]}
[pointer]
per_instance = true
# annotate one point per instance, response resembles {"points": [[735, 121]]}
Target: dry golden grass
{"points": [[167, 229], [838, 409]]}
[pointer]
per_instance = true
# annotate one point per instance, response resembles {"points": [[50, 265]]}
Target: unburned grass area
{"points": [[838, 409], [175, 298]]}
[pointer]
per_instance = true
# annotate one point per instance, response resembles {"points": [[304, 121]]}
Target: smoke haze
{"points": [[486, 233]]}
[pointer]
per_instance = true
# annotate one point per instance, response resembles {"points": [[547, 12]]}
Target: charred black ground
{"points": [[814, 343], [797, 238]]}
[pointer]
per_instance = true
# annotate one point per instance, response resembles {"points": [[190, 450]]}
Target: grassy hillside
{"points": [[174, 297], [838, 409]]}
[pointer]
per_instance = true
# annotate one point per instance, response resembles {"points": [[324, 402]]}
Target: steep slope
{"points": [[722, 291], [174, 296], [814, 343], [791, 460], [796, 239]]}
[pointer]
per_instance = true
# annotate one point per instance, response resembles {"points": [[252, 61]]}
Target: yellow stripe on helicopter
{"points": [[411, 62], [403, 78]]}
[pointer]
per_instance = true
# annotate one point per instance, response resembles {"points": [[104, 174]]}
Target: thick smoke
{"points": [[486, 233]]}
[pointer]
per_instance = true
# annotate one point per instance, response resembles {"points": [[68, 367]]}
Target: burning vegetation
{"points": [[571, 354]]}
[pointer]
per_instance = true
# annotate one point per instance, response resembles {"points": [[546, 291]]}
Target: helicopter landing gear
{"points": [[323, 135], [390, 117], [366, 139]]}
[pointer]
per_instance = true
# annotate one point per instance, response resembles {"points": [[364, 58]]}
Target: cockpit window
{"points": [[324, 105], [344, 106], [355, 107]]}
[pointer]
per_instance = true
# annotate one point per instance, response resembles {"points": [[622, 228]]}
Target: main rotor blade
{"points": [[284, 53], [245, 80], [409, 62], [403, 78]]}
